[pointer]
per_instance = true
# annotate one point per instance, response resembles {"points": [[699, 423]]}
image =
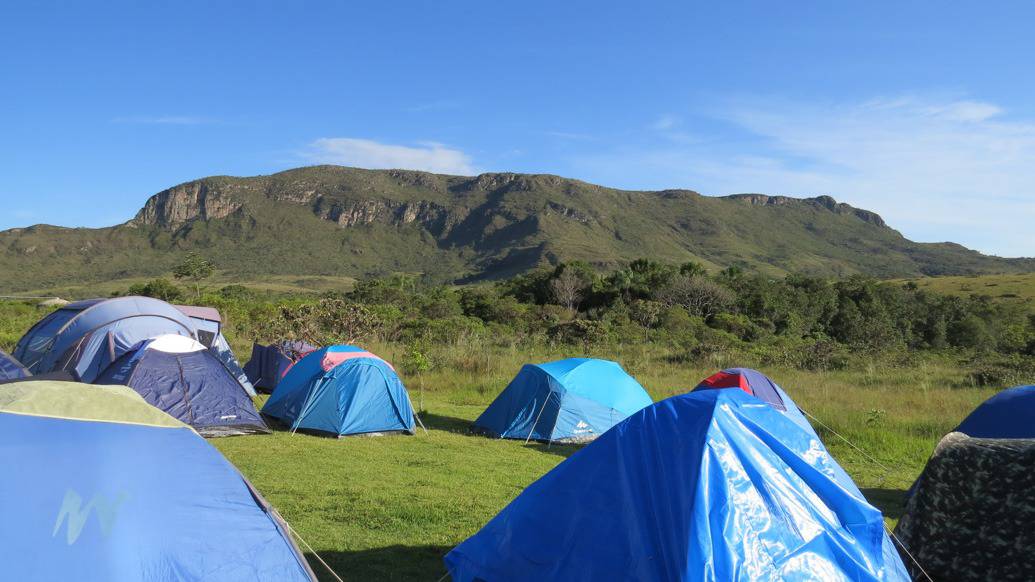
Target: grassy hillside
{"points": [[1017, 288], [332, 221]]}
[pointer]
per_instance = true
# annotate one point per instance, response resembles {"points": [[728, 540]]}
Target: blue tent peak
{"points": [[714, 485]]}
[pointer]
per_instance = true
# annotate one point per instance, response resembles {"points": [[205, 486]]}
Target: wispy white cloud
{"points": [[665, 122], [938, 169], [365, 153], [166, 120]]}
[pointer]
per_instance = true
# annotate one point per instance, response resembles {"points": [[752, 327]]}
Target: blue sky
{"points": [[921, 111]]}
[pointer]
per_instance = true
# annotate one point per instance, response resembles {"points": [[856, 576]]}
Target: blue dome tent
{"points": [[110, 489], [10, 368], [1009, 414], [571, 400], [758, 385], [268, 364], [182, 378], [709, 486], [209, 323], [342, 390], [79, 336]]}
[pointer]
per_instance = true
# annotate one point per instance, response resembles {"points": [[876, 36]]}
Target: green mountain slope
{"points": [[337, 221]]}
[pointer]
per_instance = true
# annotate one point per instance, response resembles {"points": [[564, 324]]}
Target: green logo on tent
{"points": [[76, 514]]}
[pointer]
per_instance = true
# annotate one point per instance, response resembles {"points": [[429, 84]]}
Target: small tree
{"points": [[418, 362], [566, 290], [646, 313], [697, 294], [195, 268]]}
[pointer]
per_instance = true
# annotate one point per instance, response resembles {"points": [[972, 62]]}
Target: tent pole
{"points": [[532, 430], [421, 423], [412, 409]]}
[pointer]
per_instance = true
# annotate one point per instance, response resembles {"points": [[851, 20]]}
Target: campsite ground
{"points": [[389, 508]]}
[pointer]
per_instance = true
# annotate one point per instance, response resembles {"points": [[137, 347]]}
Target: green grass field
{"points": [[389, 508], [1014, 288], [271, 284]]}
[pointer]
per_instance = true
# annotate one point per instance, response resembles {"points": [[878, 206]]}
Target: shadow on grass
{"points": [[891, 502], [560, 449], [393, 563], [446, 423]]}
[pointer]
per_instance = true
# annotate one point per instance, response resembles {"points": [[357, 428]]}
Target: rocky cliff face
{"points": [[433, 217], [823, 201], [181, 204]]}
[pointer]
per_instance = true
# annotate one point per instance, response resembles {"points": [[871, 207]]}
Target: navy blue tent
{"points": [[1009, 414], [101, 487], [342, 390], [82, 337], [709, 486], [573, 400], [268, 364], [180, 377], [10, 369]]}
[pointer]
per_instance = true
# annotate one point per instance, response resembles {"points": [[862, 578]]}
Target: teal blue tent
{"points": [[572, 400], [342, 390]]}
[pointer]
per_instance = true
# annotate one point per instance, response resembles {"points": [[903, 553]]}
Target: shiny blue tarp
{"points": [[710, 486], [356, 396], [572, 399], [111, 502]]}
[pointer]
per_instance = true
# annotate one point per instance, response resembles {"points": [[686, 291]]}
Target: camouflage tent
{"points": [[971, 512]]}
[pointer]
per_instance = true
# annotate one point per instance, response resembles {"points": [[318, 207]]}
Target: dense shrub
{"points": [[159, 289], [1003, 371]]}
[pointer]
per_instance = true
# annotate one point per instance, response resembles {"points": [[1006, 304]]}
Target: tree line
{"points": [[796, 320]]}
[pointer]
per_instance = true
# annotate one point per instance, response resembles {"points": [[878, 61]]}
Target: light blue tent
{"points": [[712, 486], [83, 337], [572, 400], [342, 390], [110, 489]]}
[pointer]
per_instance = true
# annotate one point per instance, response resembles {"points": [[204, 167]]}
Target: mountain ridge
{"points": [[335, 220]]}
